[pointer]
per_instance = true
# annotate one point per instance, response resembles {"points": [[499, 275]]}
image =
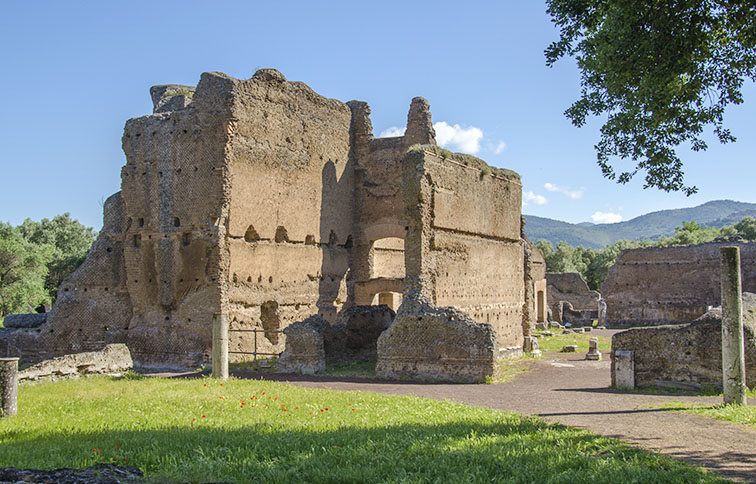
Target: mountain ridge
{"points": [[715, 213]]}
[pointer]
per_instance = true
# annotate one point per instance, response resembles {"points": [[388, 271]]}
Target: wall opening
{"points": [[310, 240], [390, 299], [387, 258], [271, 320], [176, 222], [540, 307], [281, 234], [251, 235]]}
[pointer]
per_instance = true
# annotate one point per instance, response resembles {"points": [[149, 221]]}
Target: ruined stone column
{"points": [[8, 386], [220, 346], [733, 353]]}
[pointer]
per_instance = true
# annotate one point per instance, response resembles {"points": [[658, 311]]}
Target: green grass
{"points": [[198, 430], [739, 414], [358, 369], [556, 342]]}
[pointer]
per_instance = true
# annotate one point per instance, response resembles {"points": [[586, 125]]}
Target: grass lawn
{"points": [[739, 414], [258, 431], [556, 342]]}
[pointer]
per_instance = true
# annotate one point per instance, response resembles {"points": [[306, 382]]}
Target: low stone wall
{"points": [[114, 359], [437, 343], [688, 355], [305, 351]]}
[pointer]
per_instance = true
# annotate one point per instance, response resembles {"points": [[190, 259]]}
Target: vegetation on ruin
{"points": [[659, 73], [594, 264], [35, 257], [246, 430]]}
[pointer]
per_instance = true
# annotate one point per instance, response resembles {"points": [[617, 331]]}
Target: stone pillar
{"points": [[593, 351], [220, 346], [733, 353], [8, 386]]}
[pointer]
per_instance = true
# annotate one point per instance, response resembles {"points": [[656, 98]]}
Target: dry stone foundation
{"points": [[685, 355], [264, 201], [114, 359]]}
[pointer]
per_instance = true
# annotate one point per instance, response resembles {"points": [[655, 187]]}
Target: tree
{"points": [[69, 241], [661, 71], [23, 268], [746, 228]]}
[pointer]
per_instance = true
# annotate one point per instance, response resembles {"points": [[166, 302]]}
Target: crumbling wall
{"points": [[463, 250], [570, 299], [290, 190], [667, 285], [93, 307], [463, 246], [534, 284], [686, 354]]}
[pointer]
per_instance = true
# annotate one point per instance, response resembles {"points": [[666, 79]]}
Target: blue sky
{"points": [[74, 72]]}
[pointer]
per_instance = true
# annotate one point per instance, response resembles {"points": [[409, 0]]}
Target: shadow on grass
{"points": [[512, 449]]}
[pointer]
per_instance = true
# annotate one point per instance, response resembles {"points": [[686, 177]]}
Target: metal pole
{"points": [[733, 353], [220, 346], [8, 387]]}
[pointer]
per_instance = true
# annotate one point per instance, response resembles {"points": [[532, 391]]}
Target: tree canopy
{"points": [[23, 268], [660, 71]]}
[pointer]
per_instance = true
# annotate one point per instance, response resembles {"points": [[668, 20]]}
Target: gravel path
{"points": [[565, 388]]}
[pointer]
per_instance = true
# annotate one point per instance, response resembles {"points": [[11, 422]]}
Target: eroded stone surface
{"points": [[32, 320], [670, 285], [689, 354], [97, 474], [305, 352], [114, 359], [438, 343], [267, 202]]}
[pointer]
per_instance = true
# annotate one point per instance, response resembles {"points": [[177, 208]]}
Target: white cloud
{"points": [[606, 218], [528, 197], [573, 194], [391, 132], [456, 137], [500, 148]]}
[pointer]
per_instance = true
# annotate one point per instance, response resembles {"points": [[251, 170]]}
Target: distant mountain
{"points": [[716, 213]]}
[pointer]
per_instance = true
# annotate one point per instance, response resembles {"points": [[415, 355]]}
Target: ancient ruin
{"points": [[687, 356], [571, 301], [264, 201], [669, 285]]}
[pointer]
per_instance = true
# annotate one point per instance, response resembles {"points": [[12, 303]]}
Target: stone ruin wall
{"points": [[464, 241], [290, 190], [570, 300], [271, 203], [668, 285]]}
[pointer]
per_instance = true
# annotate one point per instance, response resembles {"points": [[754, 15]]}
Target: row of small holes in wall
{"points": [[282, 235], [270, 279], [140, 222]]}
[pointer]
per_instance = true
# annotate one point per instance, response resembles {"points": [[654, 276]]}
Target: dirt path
{"points": [[572, 391]]}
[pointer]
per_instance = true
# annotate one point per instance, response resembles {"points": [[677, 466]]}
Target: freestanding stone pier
{"points": [[8, 386], [733, 351]]}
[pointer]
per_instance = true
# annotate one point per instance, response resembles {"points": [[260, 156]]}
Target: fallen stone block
{"points": [[305, 351], [114, 359], [569, 348]]}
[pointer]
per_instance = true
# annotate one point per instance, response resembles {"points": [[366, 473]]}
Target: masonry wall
{"points": [[463, 247], [291, 178], [663, 285]]}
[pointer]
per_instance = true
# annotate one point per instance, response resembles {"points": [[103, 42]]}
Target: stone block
{"points": [[437, 343], [114, 359], [623, 365], [305, 351], [569, 348], [593, 352]]}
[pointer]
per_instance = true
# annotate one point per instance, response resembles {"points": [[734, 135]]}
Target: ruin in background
{"points": [[571, 301], [264, 201], [670, 285]]}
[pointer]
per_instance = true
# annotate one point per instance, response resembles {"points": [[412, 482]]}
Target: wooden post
{"points": [[8, 387], [733, 353], [220, 346]]}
